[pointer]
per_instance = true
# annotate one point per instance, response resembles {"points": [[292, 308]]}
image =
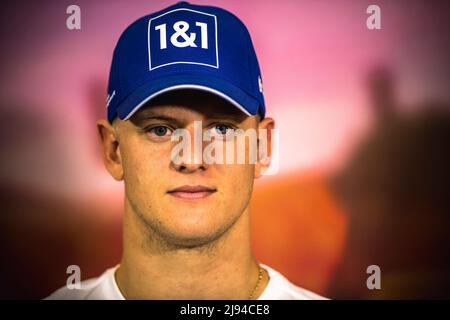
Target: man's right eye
{"points": [[159, 131]]}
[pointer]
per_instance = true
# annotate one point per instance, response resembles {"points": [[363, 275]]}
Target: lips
{"points": [[192, 192]]}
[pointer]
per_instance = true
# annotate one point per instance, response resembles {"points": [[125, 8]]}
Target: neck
{"points": [[222, 269]]}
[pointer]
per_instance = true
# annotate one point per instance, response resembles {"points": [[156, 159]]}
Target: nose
{"points": [[187, 155], [189, 167]]}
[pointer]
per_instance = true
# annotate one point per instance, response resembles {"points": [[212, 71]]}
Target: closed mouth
{"points": [[192, 192]]}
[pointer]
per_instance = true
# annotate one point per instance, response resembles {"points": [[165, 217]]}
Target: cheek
{"points": [[237, 181], [144, 165]]}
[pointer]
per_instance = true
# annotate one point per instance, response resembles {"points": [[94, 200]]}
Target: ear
{"points": [[264, 146], [110, 148]]}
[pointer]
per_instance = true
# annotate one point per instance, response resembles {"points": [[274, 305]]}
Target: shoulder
{"points": [[280, 288], [99, 288]]}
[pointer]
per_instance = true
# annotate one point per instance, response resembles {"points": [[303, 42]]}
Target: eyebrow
{"points": [[151, 115], [154, 116], [226, 117]]}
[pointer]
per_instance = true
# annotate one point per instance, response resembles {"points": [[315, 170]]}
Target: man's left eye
{"points": [[222, 128]]}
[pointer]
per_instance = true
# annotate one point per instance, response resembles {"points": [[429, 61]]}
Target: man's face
{"points": [[153, 181]]}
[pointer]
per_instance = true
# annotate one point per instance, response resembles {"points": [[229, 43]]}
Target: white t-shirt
{"points": [[105, 288]]}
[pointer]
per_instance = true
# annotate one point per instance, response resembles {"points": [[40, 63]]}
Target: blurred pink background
{"points": [[319, 63]]}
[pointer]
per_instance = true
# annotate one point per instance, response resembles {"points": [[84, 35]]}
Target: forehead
{"points": [[189, 104]]}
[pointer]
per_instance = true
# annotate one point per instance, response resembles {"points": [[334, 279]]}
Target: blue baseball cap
{"points": [[184, 46]]}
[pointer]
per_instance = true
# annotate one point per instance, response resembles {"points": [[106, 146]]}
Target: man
{"points": [[186, 227]]}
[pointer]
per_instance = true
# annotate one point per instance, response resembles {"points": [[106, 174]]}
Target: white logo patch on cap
{"points": [[183, 36]]}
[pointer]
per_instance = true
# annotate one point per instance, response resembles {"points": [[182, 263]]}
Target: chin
{"points": [[192, 217], [192, 237], [195, 232]]}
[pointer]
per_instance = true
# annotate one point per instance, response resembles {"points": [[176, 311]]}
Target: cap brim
{"points": [[224, 89]]}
